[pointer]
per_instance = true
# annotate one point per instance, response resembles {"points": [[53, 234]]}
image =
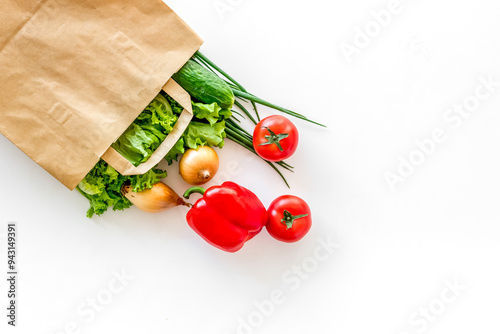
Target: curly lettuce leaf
{"points": [[225, 113], [176, 150], [137, 144], [102, 187], [210, 112], [147, 132], [92, 185], [159, 112], [199, 134], [146, 180], [202, 111], [176, 107]]}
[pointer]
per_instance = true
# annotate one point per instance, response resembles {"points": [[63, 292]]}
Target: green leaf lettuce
{"points": [[198, 134], [102, 187], [147, 132]]}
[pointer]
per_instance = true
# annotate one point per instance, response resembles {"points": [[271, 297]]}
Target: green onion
{"points": [[236, 140], [239, 105], [254, 98], [210, 64], [245, 140], [241, 93]]}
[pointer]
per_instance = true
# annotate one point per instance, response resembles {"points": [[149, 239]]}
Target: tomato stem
{"points": [[274, 138], [288, 219]]}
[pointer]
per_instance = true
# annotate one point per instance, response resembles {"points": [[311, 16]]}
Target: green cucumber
{"points": [[204, 85]]}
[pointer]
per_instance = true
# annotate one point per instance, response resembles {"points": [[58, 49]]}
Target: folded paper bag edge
{"points": [[125, 167]]}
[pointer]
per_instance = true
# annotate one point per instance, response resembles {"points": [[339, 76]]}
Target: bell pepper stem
{"points": [[190, 191]]}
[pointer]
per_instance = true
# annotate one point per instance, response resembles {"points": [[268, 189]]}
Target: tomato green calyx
{"points": [[190, 191], [288, 219], [274, 138]]}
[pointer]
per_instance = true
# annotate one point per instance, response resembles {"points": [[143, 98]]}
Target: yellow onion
{"points": [[159, 198], [199, 166]]}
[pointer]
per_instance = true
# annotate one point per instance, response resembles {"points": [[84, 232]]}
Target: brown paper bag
{"points": [[75, 74]]}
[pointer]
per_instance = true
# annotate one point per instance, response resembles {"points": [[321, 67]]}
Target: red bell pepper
{"points": [[226, 216]]}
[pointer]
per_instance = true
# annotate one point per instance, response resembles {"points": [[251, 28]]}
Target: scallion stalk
{"points": [[237, 141], [241, 93], [212, 65], [254, 98]]}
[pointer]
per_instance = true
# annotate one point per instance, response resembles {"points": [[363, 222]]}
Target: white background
{"points": [[396, 249]]}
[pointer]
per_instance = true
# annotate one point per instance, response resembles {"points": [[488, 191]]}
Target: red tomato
{"points": [[275, 138], [289, 218]]}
